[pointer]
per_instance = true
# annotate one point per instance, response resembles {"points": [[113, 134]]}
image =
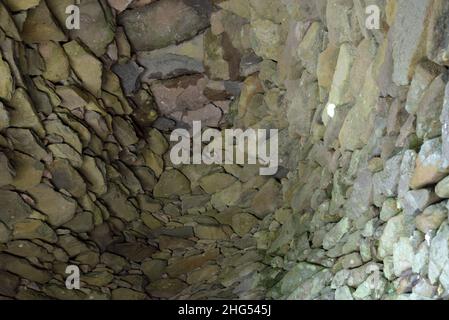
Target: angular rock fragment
{"points": [[154, 162], [343, 293], [24, 141], [164, 23], [188, 264], [206, 274], [40, 26], [4, 117], [98, 26], [45, 96], [221, 59], [157, 142], [82, 222], [179, 95], [60, 292], [127, 294], [124, 132], [242, 223], [64, 151], [301, 107], [444, 119], [115, 262], [98, 123], [210, 116], [340, 89], [6, 80], [86, 67], [237, 7], [437, 40], [336, 233], [65, 177], [408, 35], [342, 25], [312, 287], [364, 55], [129, 75], [19, 5], [438, 256], [173, 61], [24, 248], [69, 136], [228, 197], [23, 113], [403, 255], [120, 5], [392, 232], [23, 268], [72, 245], [358, 125], [7, 24], [165, 288], [415, 201], [327, 62], [59, 208], [425, 73], [94, 175], [267, 199], [406, 172], [429, 165], [216, 182], [72, 97], [7, 173], [28, 171], [428, 123], [30, 229], [362, 195], [57, 67], [136, 251], [297, 275], [432, 217], [118, 204], [14, 209], [210, 232], [166, 242], [385, 183], [389, 209], [266, 38], [349, 261], [9, 284], [171, 183], [442, 188]]}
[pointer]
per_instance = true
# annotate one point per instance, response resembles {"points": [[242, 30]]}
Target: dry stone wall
{"points": [[357, 210], [366, 109]]}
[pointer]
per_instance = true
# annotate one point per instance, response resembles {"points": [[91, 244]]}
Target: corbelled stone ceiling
{"points": [[357, 89]]}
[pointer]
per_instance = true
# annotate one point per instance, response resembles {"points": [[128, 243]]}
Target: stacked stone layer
{"points": [[357, 210]]}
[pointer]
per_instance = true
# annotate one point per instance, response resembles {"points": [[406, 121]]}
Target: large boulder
{"points": [[164, 23]]}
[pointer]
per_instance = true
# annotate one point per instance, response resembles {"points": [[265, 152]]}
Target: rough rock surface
{"points": [[358, 209], [163, 23]]}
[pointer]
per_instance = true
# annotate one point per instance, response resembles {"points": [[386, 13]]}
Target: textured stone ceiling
{"points": [[357, 210]]}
